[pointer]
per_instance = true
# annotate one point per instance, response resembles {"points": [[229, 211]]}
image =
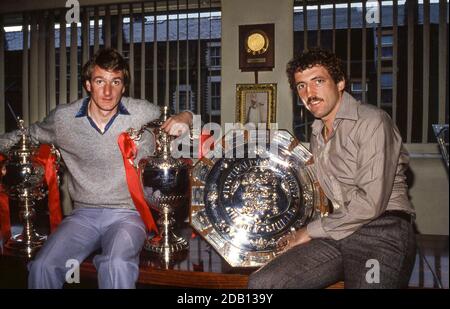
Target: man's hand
{"points": [[178, 124], [295, 239]]}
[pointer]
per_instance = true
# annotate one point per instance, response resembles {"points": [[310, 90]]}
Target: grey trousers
{"points": [[381, 254], [119, 233]]}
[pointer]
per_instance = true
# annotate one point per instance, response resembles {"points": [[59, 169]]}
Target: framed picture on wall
{"points": [[256, 103]]}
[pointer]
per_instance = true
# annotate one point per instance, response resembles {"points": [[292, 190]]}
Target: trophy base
{"points": [[25, 247], [169, 245]]}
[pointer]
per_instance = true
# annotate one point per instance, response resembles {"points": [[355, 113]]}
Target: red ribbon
{"points": [[46, 158], [129, 152], [5, 224], [202, 152]]}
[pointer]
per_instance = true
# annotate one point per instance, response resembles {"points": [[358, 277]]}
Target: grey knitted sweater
{"points": [[94, 161]]}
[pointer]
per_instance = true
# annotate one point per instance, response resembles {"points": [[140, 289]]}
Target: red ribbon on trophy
{"points": [[129, 152], [48, 159], [203, 139], [5, 224]]}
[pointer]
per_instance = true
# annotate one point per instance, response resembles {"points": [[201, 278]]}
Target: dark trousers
{"points": [[381, 254]]}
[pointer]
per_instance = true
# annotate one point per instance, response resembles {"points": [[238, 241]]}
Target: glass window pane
{"points": [[386, 80], [386, 40]]}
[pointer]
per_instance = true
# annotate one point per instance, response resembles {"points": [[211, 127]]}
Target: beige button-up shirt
{"points": [[361, 169]]}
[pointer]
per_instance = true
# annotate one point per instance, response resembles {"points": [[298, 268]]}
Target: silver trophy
{"points": [[23, 181], [165, 183], [247, 206]]}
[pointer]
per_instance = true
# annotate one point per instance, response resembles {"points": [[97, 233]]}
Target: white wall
{"points": [[239, 12], [429, 189]]}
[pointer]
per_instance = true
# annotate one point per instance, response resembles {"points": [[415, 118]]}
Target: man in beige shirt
{"points": [[367, 239]]}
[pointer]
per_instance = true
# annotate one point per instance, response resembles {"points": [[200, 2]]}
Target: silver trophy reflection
{"points": [[165, 182], [23, 181]]}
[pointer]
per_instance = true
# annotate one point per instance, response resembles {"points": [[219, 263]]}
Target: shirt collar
{"points": [[83, 111], [347, 110]]}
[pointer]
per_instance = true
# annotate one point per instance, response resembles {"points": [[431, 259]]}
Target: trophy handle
{"points": [[136, 135]]}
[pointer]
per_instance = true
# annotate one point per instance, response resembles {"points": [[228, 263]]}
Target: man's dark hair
{"points": [[108, 59], [313, 57]]}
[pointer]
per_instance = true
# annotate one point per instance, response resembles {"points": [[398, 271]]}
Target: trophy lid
{"points": [[165, 114], [24, 147]]}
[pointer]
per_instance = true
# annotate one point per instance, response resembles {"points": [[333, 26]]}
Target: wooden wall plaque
{"points": [[256, 47]]}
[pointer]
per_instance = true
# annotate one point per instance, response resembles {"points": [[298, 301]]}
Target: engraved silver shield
{"points": [[247, 197]]}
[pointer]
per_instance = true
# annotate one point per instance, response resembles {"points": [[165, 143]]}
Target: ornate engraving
{"points": [[251, 203]]}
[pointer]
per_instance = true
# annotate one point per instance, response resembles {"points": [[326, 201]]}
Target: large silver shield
{"points": [[246, 198]]}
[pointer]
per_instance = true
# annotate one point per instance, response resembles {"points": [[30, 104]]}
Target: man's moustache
{"points": [[311, 99]]}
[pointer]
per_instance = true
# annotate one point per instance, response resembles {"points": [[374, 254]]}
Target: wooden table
{"points": [[202, 267], [199, 267]]}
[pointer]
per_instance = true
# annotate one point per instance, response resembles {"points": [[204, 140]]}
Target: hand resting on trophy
{"points": [[178, 124]]}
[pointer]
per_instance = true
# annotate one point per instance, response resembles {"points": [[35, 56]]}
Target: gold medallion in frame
{"points": [[256, 47]]}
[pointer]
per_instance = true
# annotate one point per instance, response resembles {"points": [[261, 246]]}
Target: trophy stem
{"points": [[29, 240], [168, 243]]}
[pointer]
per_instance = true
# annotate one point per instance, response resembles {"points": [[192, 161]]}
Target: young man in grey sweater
{"points": [[104, 217]]}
